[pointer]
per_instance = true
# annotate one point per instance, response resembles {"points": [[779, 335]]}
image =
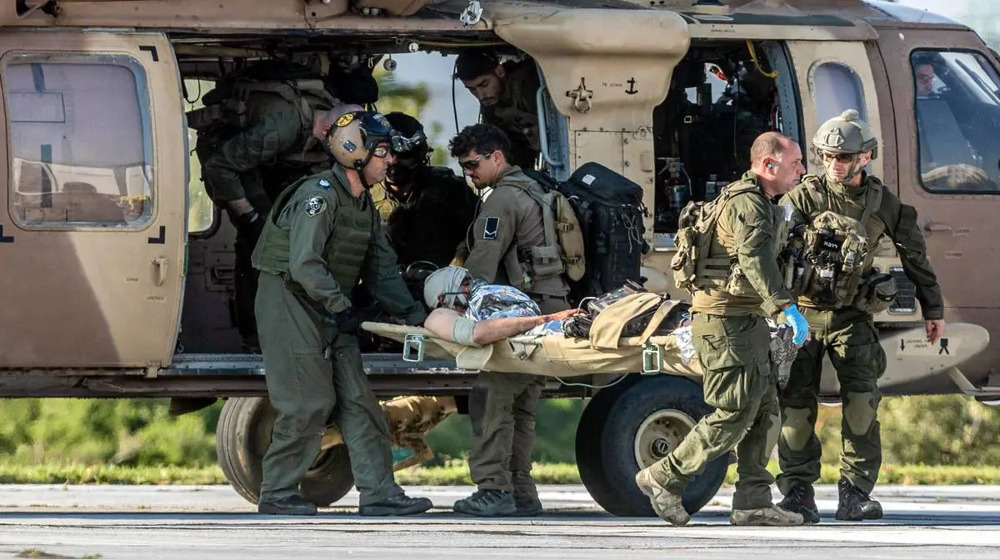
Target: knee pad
{"points": [[796, 429], [859, 411], [461, 331]]}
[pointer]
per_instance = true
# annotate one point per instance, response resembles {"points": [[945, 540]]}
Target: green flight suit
{"points": [[502, 406], [321, 241], [257, 163], [731, 336], [517, 111], [848, 336]]}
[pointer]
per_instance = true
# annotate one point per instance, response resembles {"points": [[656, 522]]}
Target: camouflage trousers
{"points": [[849, 338], [502, 408], [740, 384], [306, 390]]}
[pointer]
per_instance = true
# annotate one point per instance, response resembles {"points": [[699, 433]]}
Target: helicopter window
{"points": [[81, 141], [957, 106], [835, 88], [202, 214]]}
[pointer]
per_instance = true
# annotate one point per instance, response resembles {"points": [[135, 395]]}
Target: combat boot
{"points": [[802, 499], [487, 502], [292, 505], [855, 504], [766, 516], [527, 506], [397, 505], [667, 505]]}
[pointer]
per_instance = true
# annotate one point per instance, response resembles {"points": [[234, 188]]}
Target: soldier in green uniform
{"points": [[732, 338], [321, 238], [850, 203], [507, 94], [261, 130], [426, 210], [499, 246]]}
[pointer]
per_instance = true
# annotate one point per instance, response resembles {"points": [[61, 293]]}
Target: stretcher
{"points": [[909, 356], [558, 355]]}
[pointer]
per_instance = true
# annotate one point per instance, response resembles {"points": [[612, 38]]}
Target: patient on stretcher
{"points": [[472, 312]]}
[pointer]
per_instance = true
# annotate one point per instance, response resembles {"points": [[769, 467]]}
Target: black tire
{"points": [[241, 439], [589, 459], [666, 407]]}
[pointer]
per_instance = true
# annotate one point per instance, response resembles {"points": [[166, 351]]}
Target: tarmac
{"points": [[213, 522]]}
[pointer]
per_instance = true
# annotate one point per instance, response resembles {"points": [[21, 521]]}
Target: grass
{"points": [[453, 473], [111, 475]]}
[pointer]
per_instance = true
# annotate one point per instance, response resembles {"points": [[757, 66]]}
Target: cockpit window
{"points": [[957, 105], [81, 141]]}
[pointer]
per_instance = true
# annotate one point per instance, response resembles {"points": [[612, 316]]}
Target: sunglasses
{"points": [[473, 164], [840, 157]]}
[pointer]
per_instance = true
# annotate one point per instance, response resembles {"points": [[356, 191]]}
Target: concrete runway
{"points": [[212, 522]]}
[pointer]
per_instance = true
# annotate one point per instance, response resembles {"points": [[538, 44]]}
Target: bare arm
{"points": [[442, 321]]}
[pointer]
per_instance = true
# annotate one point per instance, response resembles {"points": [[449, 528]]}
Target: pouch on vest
{"points": [[876, 294], [833, 260], [563, 251], [692, 268]]}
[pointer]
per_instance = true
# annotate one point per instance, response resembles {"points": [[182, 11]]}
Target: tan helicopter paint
{"points": [[220, 15], [92, 296], [606, 86]]}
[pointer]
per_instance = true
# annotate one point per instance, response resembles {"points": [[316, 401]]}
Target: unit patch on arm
{"points": [[491, 229], [315, 206]]}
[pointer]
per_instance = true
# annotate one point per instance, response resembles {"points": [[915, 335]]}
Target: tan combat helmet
{"points": [[355, 138], [846, 133]]}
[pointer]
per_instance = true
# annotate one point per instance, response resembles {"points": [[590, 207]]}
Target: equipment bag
{"points": [[610, 212]]}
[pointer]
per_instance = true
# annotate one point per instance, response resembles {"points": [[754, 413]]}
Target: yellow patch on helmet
{"points": [[344, 120]]}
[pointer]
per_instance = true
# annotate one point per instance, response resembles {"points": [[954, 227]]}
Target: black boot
{"points": [[292, 505], [487, 502], [397, 505], [855, 504], [802, 499]]}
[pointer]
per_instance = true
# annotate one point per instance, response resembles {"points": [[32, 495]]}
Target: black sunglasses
{"points": [[473, 164]]}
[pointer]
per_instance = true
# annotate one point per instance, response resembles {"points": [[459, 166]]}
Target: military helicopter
{"points": [[107, 293]]}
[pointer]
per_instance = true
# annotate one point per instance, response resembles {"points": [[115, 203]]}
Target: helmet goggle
{"points": [[401, 144]]}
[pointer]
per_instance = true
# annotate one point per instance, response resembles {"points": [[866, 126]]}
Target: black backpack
{"points": [[609, 207]]}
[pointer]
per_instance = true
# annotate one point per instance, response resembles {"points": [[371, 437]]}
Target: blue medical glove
{"points": [[800, 326]]}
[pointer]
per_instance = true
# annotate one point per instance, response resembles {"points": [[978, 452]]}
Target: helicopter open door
{"points": [[92, 223]]}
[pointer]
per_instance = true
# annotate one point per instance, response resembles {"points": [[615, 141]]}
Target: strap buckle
{"points": [[652, 358], [413, 343]]}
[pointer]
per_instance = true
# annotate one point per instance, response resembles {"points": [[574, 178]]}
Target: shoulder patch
{"points": [[491, 229], [315, 206], [324, 184]]}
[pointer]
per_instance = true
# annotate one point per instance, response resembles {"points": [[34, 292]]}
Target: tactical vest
{"points": [[831, 259], [564, 248], [229, 109], [346, 247], [692, 266]]}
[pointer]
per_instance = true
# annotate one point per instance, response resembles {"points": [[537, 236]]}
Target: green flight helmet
{"points": [[846, 133]]}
